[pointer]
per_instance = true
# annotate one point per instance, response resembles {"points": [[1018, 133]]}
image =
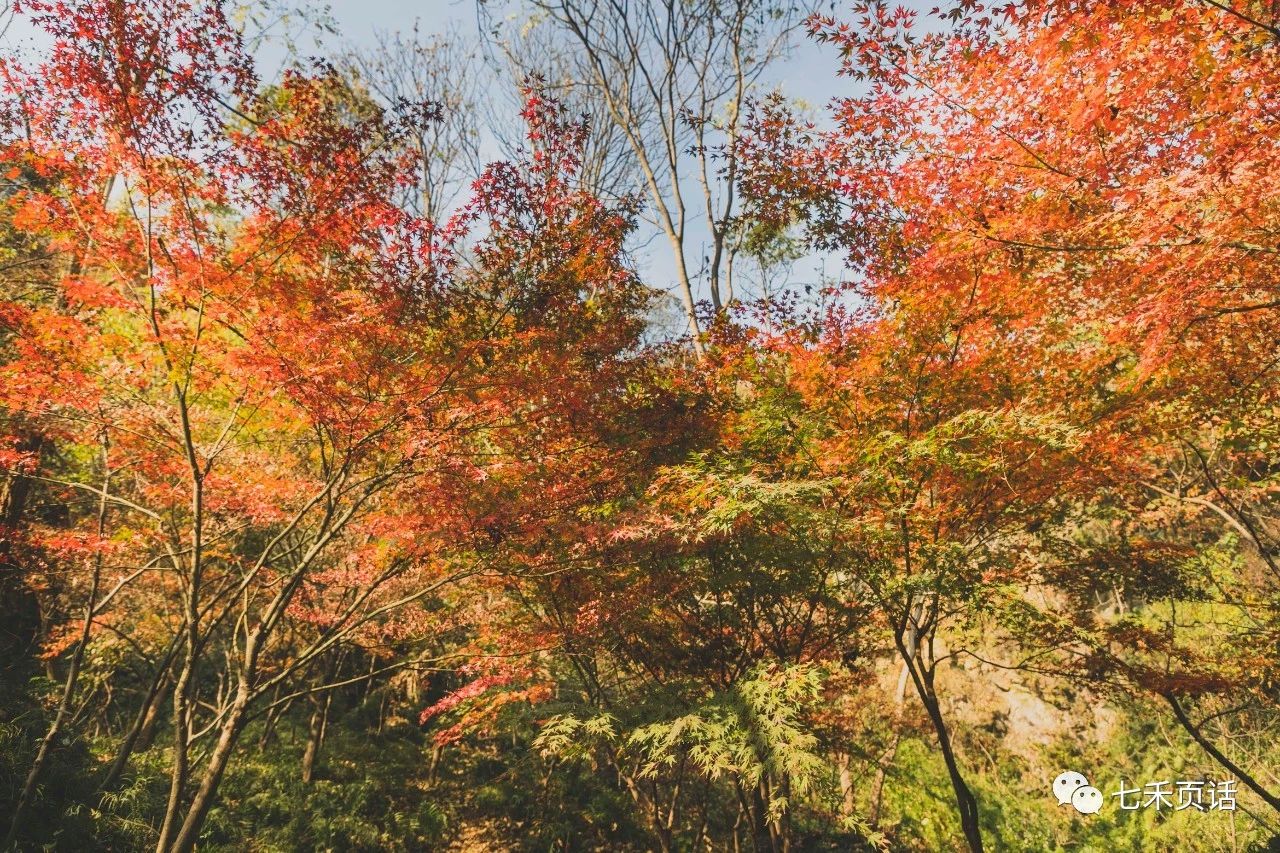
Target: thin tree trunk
{"points": [[1236, 770], [780, 829], [179, 771], [966, 802], [206, 793], [143, 725], [737, 822], [269, 725], [17, 601], [315, 737], [46, 743], [73, 674], [761, 833], [847, 803], [191, 623], [147, 736], [433, 767], [313, 746]]}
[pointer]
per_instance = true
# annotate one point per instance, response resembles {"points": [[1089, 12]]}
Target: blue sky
{"points": [[811, 69], [809, 74]]}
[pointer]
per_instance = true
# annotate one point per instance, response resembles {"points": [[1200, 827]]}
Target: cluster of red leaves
{"points": [[1056, 213], [247, 316]]}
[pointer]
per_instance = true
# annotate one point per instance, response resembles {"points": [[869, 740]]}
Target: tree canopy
{"points": [[355, 494]]}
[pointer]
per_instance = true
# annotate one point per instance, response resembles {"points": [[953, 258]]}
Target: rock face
{"points": [[1024, 711]]}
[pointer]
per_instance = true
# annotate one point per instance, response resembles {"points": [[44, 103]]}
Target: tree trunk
{"points": [[269, 725], [189, 833], [1239, 772], [966, 802], [433, 768], [17, 602], [847, 803], [182, 705], [761, 833], [179, 771], [55, 728], [147, 736], [315, 737], [69, 686], [142, 731], [15, 489]]}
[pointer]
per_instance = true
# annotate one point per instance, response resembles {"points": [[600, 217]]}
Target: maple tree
{"points": [[342, 511], [292, 384], [1122, 224]]}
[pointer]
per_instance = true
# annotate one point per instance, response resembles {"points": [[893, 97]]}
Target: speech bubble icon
{"points": [[1066, 784], [1087, 799]]}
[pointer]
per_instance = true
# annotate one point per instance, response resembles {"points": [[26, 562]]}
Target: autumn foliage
{"points": [[283, 460]]}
